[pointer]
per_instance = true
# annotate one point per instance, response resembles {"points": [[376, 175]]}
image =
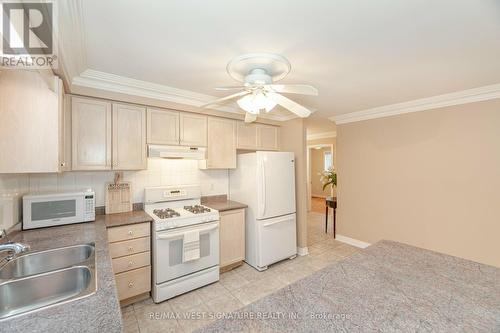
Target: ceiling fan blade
{"points": [[217, 101], [303, 89], [290, 105], [250, 117], [230, 88]]}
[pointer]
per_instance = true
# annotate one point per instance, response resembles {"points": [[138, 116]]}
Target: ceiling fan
{"points": [[258, 72]]}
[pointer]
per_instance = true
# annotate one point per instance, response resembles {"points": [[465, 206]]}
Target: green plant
{"points": [[328, 177]]}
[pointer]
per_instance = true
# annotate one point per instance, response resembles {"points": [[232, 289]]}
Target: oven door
{"points": [[51, 211], [167, 251]]}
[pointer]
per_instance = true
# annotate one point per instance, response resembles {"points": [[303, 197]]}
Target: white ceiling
{"points": [[359, 54]]}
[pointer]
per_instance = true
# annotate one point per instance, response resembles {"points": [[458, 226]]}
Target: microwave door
{"points": [[39, 213]]}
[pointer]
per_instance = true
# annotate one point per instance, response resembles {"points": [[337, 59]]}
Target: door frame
{"points": [[309, 176]]}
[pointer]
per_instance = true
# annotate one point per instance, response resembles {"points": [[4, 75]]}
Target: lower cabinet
{"points": [[232, 238], [130, 250]]}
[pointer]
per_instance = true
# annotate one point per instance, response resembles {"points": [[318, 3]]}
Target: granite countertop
{"points": [[99, 312], [119, 219], [221, 203], [388, 287]]}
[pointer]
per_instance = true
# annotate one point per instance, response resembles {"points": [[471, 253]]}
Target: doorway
{"points": [[320, 158]]}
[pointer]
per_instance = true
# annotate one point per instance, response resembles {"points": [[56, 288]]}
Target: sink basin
{"points": [[30, 293], [45, 261]]}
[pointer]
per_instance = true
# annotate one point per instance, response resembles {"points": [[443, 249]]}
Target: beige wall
{"points": [[317, 166], [293, 138], [430, 179]]}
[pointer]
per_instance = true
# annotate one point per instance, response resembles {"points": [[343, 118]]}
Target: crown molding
{"points": [[323, 135], [119, 84], [72, 55], [456, 98]]}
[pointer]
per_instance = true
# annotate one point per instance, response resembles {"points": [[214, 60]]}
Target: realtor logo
{"points": [[28, 34]]}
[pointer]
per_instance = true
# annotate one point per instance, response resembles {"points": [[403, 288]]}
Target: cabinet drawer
{"points": [[133, 283], [126, 248], [134, 261], [126, 232]]}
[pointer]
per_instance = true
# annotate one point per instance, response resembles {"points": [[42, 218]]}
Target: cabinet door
{"points": [[267, 137], [129, 137], [193, 130], [232, 236], [29, 119], [221, 152], [65, 152], [163, 127], [90, 134], [246, 136]]}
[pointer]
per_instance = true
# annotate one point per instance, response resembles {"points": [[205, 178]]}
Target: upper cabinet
{"points": [[163, 127], [257, 136], [107, 136], [193, 130], [91, 134], [221, 151], [30, 122], [129, 137], [168, 127], [267, 137], [246, 135]]}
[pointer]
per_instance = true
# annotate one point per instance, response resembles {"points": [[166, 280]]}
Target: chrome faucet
{"points": [[12, 247]]}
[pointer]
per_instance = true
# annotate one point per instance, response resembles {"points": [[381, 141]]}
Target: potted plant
{"points": [[328, 178]]}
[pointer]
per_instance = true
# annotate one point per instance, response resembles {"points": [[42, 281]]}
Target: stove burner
{"points": [[166, 213], [197, 209]]}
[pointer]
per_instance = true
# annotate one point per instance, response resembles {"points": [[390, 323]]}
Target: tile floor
{"points": [[236, 288]]}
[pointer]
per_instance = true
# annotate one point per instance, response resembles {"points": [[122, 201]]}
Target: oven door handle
{"points": [[177, 234]]}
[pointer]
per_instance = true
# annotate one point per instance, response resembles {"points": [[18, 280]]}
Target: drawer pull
{"points": [[130, 263], [130, 284], [130, 232], [130, 248]]}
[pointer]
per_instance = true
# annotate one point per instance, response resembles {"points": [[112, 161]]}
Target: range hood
{"points": [[176, 152]]}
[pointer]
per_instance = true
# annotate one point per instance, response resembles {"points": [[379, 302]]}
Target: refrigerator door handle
{"points": [[263, 189]]}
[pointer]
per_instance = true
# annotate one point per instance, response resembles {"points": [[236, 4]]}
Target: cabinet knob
{"points": [[130, 248], [130, 263], [130, 284], [130, 232], [63, 164]]}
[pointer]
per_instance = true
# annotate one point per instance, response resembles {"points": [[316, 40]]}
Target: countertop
{"points": [[387, 287], [99, 312], [119, 219], [221, 203]]}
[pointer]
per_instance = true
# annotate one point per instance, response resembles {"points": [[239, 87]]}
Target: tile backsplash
{"points": [[160, 172]]}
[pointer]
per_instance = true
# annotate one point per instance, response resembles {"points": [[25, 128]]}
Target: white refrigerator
{"points": [[265, 181]]}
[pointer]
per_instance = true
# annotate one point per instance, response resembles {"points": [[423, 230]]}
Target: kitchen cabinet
{"points": [[130, 251], [91, 134], [107, 136], [193, 130], [221, 150], [65, 134], [129, 137], [30, 122], [267, 137], [246, 136], [163, 127], [231, 238], [257, 136]]}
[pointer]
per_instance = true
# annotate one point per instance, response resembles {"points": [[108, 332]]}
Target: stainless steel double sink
{"points": [[38, 280]]}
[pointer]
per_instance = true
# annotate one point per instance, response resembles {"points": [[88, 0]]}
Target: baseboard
{"points": [[352, 241], [302, 251]]}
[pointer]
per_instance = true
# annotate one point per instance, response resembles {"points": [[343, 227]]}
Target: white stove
{"points": [[185, 242]]}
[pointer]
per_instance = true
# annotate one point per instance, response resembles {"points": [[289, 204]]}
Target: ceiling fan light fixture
{"points": [[255, 102]]}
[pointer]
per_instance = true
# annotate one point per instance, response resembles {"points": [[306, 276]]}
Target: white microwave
{"points": [[57, 208]]}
